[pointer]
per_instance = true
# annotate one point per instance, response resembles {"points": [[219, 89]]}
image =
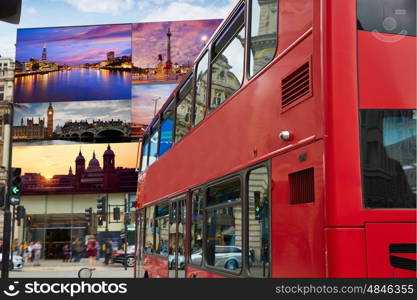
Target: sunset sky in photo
{"points": [[187, 40], [56, 160], [74, 45], [143, 107]]}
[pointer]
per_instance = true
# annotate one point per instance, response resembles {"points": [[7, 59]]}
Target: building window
{"points": [[161, 230], [258, 223], [167, 127], [201, 89], [263, 34], [224, 226], [196, 253], [149, 231], [228, 61], [1, 92]]}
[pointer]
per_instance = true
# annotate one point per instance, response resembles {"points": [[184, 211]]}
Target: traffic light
{"points": [[88, 214], [100, 220], [16, 180], [102, 207], [258, 206], [29, 221], [116, 213], [20, 214]]}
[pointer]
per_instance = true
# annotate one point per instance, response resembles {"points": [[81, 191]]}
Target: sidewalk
{"points": [[59, 269]]}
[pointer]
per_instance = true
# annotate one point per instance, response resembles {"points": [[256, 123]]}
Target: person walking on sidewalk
{"points": [[92, 252], [37, 247], [108, 251]]}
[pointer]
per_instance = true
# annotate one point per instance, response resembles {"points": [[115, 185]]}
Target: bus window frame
{"points": [[152, 131], [178, 99], [246, 174], [171, 105], [213, 55], [207, 208], [144, 141], [206, 51], [249, 36], [158, 218]]}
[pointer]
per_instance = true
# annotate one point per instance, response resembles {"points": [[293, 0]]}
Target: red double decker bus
{"points": [[290, 148]]}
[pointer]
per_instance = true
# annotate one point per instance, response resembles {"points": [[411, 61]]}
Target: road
{"points": [[59, 269]]}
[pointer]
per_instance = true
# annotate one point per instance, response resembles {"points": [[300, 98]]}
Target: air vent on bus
{"points": [[296, 86], [302, 186]]}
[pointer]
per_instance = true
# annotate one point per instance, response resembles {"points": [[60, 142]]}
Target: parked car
{"points": [[119, 256], [18, 262], [228, 257]]}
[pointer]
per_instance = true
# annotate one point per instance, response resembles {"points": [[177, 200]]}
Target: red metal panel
{"points": [[155, 267], [379, 237], [197, 273], [298, 246], [342, 150], [346, 252], [387, 70], [240, 131], [295, 18]]}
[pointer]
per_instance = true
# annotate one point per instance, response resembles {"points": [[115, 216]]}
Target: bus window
{"points": [[263, 34], [258, 233], [201, 89], [167, 127], [145, 154], [149, 229], [387, 16], [224, 226], [388, 154], [183, 111], [153, 146], [161, 230], [196, 227], [227, 65]]}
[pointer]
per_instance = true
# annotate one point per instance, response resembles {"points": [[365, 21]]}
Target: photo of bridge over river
{"points": [[73, 64], [62, 123]]}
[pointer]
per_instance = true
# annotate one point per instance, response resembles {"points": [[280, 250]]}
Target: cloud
{"points": [[114, 7], [189, 10], [32, 11]]}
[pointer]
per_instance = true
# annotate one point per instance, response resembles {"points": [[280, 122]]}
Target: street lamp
{"points": [[204, 39], [156, 101]]}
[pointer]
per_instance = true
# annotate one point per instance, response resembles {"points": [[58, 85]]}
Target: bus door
{"points": [[298, 213], [176, 258]]}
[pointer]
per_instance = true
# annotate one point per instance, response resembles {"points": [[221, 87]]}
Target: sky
{"points": [[143, 107], [56, 160], [55, 13], [74, 45], [75, 111], [187, 40]]}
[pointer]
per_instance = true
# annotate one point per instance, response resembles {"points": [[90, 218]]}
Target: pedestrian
{"points": [[78, 248], [66, 252], [98, 247], [16, 247], [37, 247], [30, 253], [1, 246], [108, 251], [92, 252]]}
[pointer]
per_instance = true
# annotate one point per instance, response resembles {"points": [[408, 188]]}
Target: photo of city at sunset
{"points": [[147, 99], [73, 63], [57, 123], [165, 51], [72, 169]]}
